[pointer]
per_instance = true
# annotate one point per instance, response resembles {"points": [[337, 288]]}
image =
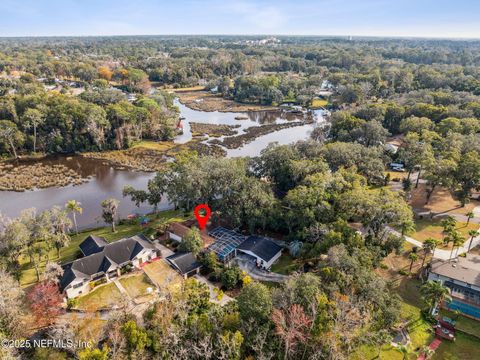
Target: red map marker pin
{"points": [[202, 219]]}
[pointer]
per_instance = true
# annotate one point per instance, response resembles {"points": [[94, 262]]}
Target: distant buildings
{"points": [[462, 276]]}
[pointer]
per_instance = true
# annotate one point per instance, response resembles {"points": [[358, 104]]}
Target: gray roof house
{"points": [[462, 276], [103, 259], [185, 263], [265, 251]]}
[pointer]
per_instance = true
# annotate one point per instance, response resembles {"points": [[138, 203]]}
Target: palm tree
{"points": [[109, 211], [74, 207], [448, 225], [413, 257], [433, 293], [470, 215], [458, 240], [435, 243], [428, 246], [473, 234]]}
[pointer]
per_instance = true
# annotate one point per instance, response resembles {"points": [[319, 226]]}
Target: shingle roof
{"points": [[92, 244], [262, 247], [114, 254], [465, 269], [182, 230], [184, 262]]}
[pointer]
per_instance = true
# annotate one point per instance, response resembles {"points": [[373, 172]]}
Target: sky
{"points": [[405, 18]]}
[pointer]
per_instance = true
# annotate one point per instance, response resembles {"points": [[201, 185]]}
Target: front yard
{"points": [[426, 228]]}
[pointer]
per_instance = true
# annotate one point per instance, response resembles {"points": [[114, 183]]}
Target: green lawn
{"points": [[426, 228], [285, 265], [136, 285], [465, 347], [72, 251], [101, 297]]}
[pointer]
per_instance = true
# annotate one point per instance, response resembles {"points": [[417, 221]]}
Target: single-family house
{"points": [[185, 263], [176, 231], [104, 260], [462, 276], [264, 251]]}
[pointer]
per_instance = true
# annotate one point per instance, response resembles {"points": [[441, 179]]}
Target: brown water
{"points": [[107, 181]]}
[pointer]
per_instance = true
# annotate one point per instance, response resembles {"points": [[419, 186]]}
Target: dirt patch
{"points": [[251, 133], [394, 263], [441, 201], [204, 101], [30, 176], [213, 130]]}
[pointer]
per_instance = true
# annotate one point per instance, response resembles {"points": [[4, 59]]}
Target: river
{"points": [[107, 181]]}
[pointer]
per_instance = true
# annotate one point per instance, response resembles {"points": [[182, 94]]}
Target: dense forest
{"points": [[314, 194]]}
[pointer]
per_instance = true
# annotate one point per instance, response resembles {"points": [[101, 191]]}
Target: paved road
{"points": [[440, 253]]}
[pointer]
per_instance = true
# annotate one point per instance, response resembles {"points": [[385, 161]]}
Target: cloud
{"points": [[266, 17]]}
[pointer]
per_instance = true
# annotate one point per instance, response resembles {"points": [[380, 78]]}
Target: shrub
{"points": [[403, 272], [230, 277], [72, 303]]}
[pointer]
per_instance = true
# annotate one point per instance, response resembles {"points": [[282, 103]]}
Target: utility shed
{"points": [[265, 251]]}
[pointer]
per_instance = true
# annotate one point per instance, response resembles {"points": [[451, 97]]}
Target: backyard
{"points": [[136, 285], [72, 251], [162, 275], [103, 296]]}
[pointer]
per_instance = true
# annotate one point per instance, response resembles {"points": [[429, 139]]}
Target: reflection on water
{"points": [[107, 181]]}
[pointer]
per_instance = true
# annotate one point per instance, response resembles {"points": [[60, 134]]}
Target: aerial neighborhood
{"points": [[239, 197]]}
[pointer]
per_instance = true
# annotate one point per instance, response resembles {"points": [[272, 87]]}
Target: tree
{"points": [[467, 175], [458, 240], [413, 257], [429, 246], [45, 300], [53, 272], [33, 118], [470, 215], [137, 196], [11, 306], [472, 234], [434, 293], [438, 172], [292, 325], [255, 302], [109, 211], [61, 224], [230, 277], [94, 354], [10, 136], [136, 338], [14, 237], [191, 242], [74, 207]]}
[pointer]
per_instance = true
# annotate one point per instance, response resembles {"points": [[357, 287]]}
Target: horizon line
{"points": [[249, 35]]}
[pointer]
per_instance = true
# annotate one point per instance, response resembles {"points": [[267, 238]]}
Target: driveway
{"points": [[247, 265]]}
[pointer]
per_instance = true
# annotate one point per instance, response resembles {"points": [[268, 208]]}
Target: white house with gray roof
{"points": [[104, 260]]}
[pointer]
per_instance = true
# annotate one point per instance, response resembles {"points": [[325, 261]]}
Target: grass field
{"points": [[136, 285], [318, 103], [465, 347], [72, 251], [426, 228], [163, 275], [101, 297]]}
